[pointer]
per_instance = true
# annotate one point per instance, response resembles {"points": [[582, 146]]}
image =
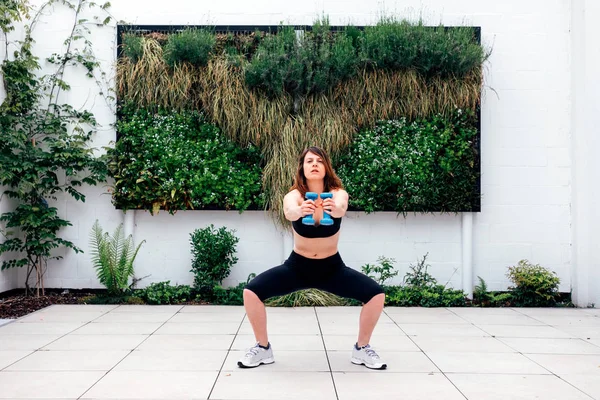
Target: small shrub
{"points": [[424, 165], [418, 277], [534, 285], [232, 295], [165, 293], [422, 290], [213, 256], [382, 272], [192, 45], [313, 63], [133, 46], [113, 257], [402, 45], [484, 298]]}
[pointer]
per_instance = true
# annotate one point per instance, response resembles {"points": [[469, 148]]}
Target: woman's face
{"points": [[314, 167]]}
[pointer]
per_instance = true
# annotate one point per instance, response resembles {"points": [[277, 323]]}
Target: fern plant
{"points": [[113, 257]]}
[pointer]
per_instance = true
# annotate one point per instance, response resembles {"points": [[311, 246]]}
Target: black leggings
{"points": [[328, 274]]}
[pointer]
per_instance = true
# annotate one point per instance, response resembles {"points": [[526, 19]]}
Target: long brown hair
{"points": [[331, 180]]}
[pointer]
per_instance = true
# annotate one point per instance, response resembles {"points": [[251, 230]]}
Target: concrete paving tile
{"points": [[468, 311], [71, 360], [291, 310], [551, 346], [486, 363], [172, 360], [140, 308], [442, 330], [564, 364], [552, 312], [187, 342], [25, 342], [378, 342], [195, 317], [589, 384], [39, 328], [8, 357], [413, 386], [46, 384], [431, 311], [282, 342], [428, 319], [515, 387], [459, 344], [570, 320], [501, 320], [153, 385], [592, 311], [349, 318], [525, 331], [199, 328], [283, 328], [585, 332], [119, 317], [263, 384], [80, 317], [96, 342], [285, 361], [338, 310], [396, 362], [74, 308], [118, 328], [381, 329], [239, 310]]}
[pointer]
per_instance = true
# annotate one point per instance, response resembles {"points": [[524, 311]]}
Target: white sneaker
{"points": [[256, 356], [368, 357]]}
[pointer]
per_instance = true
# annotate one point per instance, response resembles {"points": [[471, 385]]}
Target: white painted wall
{"points": [[527, 168]]}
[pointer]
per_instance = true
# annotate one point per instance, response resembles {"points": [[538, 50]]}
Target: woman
{"points": [[314, 263]]}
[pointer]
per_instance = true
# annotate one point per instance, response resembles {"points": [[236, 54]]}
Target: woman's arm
{"points": [[294, 207], [337, 206]]}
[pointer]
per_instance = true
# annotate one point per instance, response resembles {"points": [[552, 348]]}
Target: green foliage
{"points": [[192, 45], [426, 165], [179, 161], [113, 258], [421, 289], [401, 45], [432, 296], [165, 293], [212, 257], [382, 272], [313, 63], [231, 296], [44, 149], [484, 298], [534, 285], [133, 46]]}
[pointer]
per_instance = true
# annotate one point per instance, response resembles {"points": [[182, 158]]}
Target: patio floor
{"points": [[190, 352]]}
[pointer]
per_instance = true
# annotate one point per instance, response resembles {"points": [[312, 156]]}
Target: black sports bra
{"points": [[321, 231]]}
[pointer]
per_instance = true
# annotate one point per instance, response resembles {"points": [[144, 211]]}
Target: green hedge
{"points": [[425, 165], [178, 161]]}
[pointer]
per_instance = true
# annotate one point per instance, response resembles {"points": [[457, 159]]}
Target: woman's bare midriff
{"points": [[317, 247]]}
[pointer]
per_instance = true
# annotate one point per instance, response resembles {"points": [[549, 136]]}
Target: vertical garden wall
{"points": [[214, 117]]}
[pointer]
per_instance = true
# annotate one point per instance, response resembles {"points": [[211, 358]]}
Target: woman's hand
{"points": [[307, 207], [330, 207]]}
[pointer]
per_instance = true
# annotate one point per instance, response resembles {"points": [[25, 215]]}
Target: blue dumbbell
{"points": [[309, 220], [326, 220]]}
